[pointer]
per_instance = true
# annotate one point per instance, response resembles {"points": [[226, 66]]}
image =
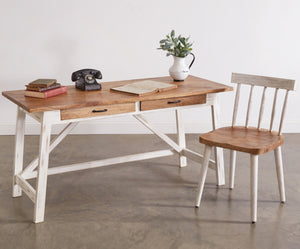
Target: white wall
{"points": [[54, 38]]}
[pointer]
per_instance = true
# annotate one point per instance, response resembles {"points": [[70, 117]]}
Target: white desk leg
{"points": [[42, 170], [219, 159], [19, 150], [180, 137]]}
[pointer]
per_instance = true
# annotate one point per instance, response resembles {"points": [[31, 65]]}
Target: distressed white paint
{"points": [[137, 106], [236, 104], [232, 164], [283, 112], [249, 105], [273, 109], [164, 137], [266, 82], [279, 171], [180, 137], [197, 157], [42, 170], [253, 186], [54, 143], [263, 81], [203, 172], [19, 150], [26, 187], [49, 118], [219, 159], [104, 162], [262, 107]]}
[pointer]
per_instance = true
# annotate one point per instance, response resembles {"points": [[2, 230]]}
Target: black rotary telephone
{"points": [[85, 79]]}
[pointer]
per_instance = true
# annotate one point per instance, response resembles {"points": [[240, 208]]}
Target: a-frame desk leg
{"points": [[19, 150], [180, 137], [42, 170]]}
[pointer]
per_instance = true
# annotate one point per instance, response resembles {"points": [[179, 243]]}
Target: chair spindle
{"points": [[262, 108], [249, 106], [273, 109], [236, 102], [283, 112]]}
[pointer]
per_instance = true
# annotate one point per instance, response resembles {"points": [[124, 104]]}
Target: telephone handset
{"points": [[85, 79]]}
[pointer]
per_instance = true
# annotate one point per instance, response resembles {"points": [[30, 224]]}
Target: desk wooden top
{"points": [[75, 98]]}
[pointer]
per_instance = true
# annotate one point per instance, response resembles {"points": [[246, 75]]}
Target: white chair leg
{"points": [[232, 168], [253, 186], [219, 158], [206, 156], [279, 170]]}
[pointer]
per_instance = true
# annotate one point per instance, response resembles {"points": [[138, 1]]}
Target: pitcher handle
{"points": [[192, 60]]}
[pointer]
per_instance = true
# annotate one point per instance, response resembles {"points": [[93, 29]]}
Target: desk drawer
{"points": [[172, 102], [95, 111]]}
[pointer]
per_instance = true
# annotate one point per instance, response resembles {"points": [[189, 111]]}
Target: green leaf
{"points": [[172, 33], [182, 40]]}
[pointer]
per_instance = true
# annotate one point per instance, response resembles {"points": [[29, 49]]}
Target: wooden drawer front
{"points": [[95, 111], [172, 102]]}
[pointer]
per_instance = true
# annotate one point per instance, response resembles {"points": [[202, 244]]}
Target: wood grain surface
{"points": [[172, 102], [75, 98], [239, 138], [263, 81], [94, 111]]}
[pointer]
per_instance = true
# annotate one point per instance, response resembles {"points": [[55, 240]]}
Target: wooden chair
{"points": [[252, 140]]}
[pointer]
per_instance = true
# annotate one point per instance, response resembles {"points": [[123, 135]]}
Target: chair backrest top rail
{"points": [[263, 81]]}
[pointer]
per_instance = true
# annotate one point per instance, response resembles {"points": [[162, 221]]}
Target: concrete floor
{"points": [[148, 204]]}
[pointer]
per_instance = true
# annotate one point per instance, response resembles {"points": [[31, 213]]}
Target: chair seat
{"points": [[239, 138]]}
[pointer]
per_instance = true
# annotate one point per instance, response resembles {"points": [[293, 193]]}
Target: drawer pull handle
{"points": [[104, 110], [174, 102]]}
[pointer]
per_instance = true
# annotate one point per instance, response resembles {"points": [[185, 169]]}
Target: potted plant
{"points": [[179, 47]]}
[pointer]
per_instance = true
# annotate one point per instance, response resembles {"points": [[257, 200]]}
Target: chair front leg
{"points": [[219, 158], [279, 170], [203, 172], [253, 186], [232, 168]]}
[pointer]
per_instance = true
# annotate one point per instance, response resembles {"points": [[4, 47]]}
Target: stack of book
{"points": [[44, 88]]}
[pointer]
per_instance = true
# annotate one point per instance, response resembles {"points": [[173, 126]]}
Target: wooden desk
{"points": [[76, 106]]}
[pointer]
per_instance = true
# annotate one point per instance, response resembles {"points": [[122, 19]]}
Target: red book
{"points": [[46, 94]]}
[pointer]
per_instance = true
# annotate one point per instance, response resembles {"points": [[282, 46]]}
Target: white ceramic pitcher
{"points": [[179, 70]]}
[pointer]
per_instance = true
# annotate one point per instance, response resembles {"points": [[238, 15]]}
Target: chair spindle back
{"points": [[265, 82]]}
